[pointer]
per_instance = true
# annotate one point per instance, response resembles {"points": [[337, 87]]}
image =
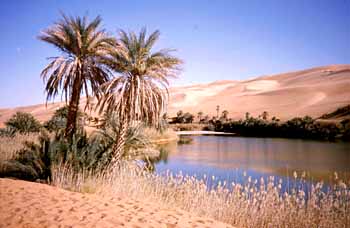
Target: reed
{"points": [[9, 146], [256, 203]]}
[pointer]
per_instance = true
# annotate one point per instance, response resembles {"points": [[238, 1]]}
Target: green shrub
{"points": [[7, 132], [36, 159], [138, 143], [23, 123], [39, 157], [58, 121], [304, 128]]}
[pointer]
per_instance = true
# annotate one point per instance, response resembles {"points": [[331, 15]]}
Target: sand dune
{"points": [[311, 92], [26, 204]]}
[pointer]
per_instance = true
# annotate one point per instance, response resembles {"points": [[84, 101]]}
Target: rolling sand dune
{"points": [[311, 92], [26, 204]]}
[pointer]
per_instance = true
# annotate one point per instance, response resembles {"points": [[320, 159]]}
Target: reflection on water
{"points": [[228, 157]]}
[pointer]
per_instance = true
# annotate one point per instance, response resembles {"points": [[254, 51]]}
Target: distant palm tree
{"points": [[217, 111], [199, 115], [265, 115], [139, 90], [224, 114], [78, 69], [247, 115]]}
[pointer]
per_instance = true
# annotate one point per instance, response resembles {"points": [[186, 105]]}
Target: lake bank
{"points": [[217, 133]]}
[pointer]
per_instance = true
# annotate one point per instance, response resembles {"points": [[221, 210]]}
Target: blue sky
{"points": [[216, 39]]}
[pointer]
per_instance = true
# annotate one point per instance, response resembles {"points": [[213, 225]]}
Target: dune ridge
{"points": [[312, 92]]}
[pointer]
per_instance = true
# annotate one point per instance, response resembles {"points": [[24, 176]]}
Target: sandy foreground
{"points": [[27, 204]]}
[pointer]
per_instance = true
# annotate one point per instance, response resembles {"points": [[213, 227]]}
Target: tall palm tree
{"points": [[139, 90], [79, 68], [217, 111]]}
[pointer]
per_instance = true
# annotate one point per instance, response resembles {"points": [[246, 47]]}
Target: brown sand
{"points": [[27, 204], [312, 92]]}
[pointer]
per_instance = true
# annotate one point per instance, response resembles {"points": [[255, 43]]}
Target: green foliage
{"points": [[136, 142], [183, 117], [22, 122], [7, 132], [305, 128], [36, 159], [340, 112], [58, 121], [163, 123], [188, 127], [80, 67], [53, 150]]}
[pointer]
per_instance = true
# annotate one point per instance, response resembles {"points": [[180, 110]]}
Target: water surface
{"points": [[228, 158]]}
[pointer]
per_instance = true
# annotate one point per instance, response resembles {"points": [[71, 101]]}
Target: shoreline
{"points": [[180, 133]]}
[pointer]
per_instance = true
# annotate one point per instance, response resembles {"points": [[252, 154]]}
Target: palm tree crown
{"points": [[79, 68], [140, 89]]}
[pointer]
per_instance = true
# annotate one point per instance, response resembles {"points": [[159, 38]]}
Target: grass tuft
{"points": [[257, 203]]}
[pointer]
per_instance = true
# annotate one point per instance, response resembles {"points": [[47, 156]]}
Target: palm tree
{"points": [[199, 115], [217, 111], [265, 115], [79, 68], [224, 114], [139, 90], [247, 115]]}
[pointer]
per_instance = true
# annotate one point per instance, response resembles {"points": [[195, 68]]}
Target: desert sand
{"points": [[312, 92], [27, 204]]}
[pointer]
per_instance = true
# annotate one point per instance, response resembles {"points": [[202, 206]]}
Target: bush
{"points": [[304, 128], [36, 159], [17, 170], [58, 121], [187, 127], [23, 123], [7, 132], [183, 117], [137, 144]]}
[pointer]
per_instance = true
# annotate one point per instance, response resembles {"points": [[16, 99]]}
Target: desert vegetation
{"points": [[130, 83], [298, 127], [255, 203], [265, 126]]}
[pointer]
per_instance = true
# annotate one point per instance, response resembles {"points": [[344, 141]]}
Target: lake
{"points": [[229, 158]]}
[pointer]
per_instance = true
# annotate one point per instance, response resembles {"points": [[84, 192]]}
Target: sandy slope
{"points": [[311, 92], [26, 204]]}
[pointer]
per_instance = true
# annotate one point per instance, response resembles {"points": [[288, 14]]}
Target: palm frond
{"points": [[139, 90]]}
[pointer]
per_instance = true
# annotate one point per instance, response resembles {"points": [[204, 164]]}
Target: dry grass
{"points": [[188, 127], [157, 137], [257, 203], [10, 145]]}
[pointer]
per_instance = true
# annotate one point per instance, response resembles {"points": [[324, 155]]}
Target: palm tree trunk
{"points": [[118, 148], [73, 110]]}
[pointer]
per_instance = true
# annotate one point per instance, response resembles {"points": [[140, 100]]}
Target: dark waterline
{"points": [[229, 158]]}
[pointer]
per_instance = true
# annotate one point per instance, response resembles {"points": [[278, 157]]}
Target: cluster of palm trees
{"points": [[123, 73]]}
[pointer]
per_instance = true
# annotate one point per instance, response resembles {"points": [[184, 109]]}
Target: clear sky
{"points": [[216, 39]]}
